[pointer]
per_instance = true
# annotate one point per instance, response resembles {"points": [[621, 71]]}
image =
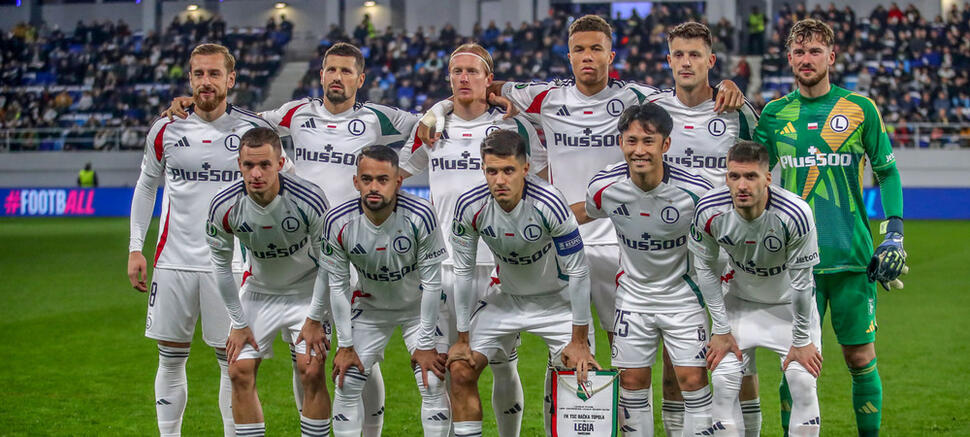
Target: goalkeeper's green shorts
{"points": [[852, 299]]}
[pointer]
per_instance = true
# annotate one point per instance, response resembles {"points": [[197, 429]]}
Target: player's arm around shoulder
{"points": [[414, 156]]}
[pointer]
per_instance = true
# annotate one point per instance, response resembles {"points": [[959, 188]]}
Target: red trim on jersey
{"points": [[159, 143], [598, 197], [246, 276], [475, 218], [417, 143], [728, 277], [225, 221], [707, 226], [358, 293], [495, 280], [618, 278], [340, 235], [164, 237], [288, 118], [536, 105]]}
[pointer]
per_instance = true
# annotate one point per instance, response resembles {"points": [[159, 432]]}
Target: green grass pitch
{"points": [[75, 362]]}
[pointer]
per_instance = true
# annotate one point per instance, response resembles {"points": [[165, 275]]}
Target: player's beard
{"points": [[378, 205], [811, 81], [337, 96], [207, 104]]}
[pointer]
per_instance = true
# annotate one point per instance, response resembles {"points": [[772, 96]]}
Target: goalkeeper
{"points": [[821, 135]]}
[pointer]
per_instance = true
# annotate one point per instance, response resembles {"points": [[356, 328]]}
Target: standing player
{"points": [[328, 135], [699, 141], [521, 219], [194, 157], [279, 220], [821, 135], [769, 236], [651, 204], [392, 239], [455, 167]]}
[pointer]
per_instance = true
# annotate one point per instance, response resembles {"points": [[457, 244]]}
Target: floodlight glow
{"points": [[192, 8], [370, 3], [280, 5]]}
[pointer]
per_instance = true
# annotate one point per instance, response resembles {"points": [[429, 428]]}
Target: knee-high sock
{"points": [[373, 404], [726, 380], [435, 406], [297, 384], [251, 430], [751, 411], [314, 427], [225, 394], [468, 429], [867, 398], [697, 412], [784, 397], [347, 414], [171, 389], [636, 417], [805, 420], [672, 414], [507, 395]]}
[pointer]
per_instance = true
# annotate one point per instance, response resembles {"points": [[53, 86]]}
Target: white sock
{"points": [[373, 402], [251, 430], [697, 411], [726, 380], [472, 428], [297, 384], [672, 414], [225, 394], [171, 389], [547, 395], [751, 411], [507, 396], [805, 421], [435, 407], [314, 427], [347, 414], [636, 419]]}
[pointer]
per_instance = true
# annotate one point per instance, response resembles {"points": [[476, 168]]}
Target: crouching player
{"points": [[391, 238], [769, 236], [651, 205], [279, 219]]}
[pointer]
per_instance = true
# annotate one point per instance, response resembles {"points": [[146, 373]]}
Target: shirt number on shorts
{"points": [[620, 327], [151, 296]]}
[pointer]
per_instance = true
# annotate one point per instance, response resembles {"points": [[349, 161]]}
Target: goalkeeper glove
{"points": [[889, 259]]}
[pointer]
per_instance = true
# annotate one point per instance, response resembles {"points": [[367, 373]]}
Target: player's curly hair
{"points": [[348, 50], [748, 151], [808, 30], [505, 143], [258, 136], [691, 30], [592, 23], [214, 49]]}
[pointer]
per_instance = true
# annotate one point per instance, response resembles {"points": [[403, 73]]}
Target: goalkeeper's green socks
{"points": [[784, 395], [867, 398]]}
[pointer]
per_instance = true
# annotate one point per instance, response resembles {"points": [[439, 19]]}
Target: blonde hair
{"points": [[476, 50], [810, 29], [215, 49]]}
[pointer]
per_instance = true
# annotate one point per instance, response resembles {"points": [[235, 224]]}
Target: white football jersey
{"points": [[326, 145], [387, 257], [700, 138], [455, 162], [282, 239], [761, 251], [581, 135], [536, 246], [196, 158], [652, 228]]}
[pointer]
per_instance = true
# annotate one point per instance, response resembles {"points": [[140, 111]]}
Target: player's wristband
{"points": [[893, 224]]}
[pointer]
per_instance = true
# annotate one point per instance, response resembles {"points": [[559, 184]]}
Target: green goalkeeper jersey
{"points": [[822, 144]]}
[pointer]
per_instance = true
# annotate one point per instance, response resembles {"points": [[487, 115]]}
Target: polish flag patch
{"points": [[206, 141], [587, 112], [331, 126], [688, 126], [466, 134], [750, 242], [813, 126]]}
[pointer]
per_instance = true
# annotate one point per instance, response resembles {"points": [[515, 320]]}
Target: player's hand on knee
{"points": [[316, 339], [238, 339], [808, 356], [460, 351], [137, 271], [345, 358], [178, 108], [719, 347], [577, 355], [504, 102], [428, 360]]}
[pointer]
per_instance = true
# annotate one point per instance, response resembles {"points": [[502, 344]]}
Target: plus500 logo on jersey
{"points": [[328, 155], [387, 275], [820, 160], [648, 244], [515, 259], [205, 175], [586, 140], [279, 252], [752, 269], [466, 162]]}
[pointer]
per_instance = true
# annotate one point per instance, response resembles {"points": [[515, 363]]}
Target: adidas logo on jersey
{"points": [[358, 250], [489, 231], [309, 124], [182, 142], [563, 111], [622, 210], [244, 227], [789, 131]]}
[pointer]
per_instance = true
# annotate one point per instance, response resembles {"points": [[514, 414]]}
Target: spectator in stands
{"points": [[87, 177], [756, 31]]}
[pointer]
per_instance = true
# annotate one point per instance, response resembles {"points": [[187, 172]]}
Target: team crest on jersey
{"points": [[694, 233], [717, 127], [839, 123], [232, 143], [210, 229], [402, 245], [327, 248], [670, 215], [614, 107], [291, 224], [532, 232], [356, 127], [457, 228], [772, 243], [491, 129]]}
